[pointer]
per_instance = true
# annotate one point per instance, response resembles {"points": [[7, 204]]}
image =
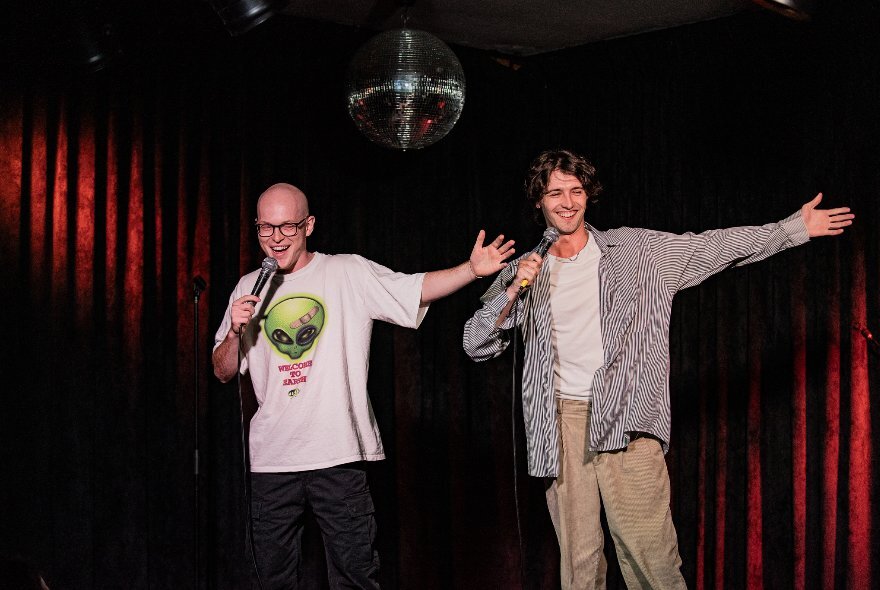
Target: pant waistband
{"points": [[575, 404], [636, 434]]}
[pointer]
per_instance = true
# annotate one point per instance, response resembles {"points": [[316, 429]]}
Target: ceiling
{"points": [[519, 27], [42, 35]]}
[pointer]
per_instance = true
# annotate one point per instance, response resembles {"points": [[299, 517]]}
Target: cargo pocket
{"points": [[360, 551]]}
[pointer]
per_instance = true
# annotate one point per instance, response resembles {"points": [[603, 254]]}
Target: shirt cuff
{"points": [[496, 305], [795, 229]]}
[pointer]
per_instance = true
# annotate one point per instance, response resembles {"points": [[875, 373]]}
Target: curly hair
{"points": [[567, 162]]}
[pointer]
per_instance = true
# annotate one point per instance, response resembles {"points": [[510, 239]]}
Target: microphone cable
{"points": [[551, 234], [245, 460], [519, 535], [267, 269]]}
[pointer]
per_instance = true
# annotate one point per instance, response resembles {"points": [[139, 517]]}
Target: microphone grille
{"points": [[270, 264], [551, 234]]}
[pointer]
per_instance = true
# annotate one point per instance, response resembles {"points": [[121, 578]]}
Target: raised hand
{"points": [[825, 222], [489, 259]]}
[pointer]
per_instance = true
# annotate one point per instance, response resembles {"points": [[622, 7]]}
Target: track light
{"points": [[240, 16], [92, 46], [793, 9]]}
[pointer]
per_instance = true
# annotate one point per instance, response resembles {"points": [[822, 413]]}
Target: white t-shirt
{"points": [[574, 314], [307, 350]]}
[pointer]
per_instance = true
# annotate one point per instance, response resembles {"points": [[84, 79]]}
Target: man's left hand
{"points": [[825, 222]]}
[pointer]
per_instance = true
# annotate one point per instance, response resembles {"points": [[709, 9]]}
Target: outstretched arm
{"points": [[688, 259], [484, 261], [825, 222]]}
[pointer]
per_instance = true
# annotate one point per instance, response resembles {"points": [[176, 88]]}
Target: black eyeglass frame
{"points": [[262, 227]]}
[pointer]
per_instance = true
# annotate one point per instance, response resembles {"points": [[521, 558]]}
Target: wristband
{"points": [[471, 268]]}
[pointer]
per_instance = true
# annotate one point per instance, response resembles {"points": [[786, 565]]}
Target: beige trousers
{"points": [[633, 486]]}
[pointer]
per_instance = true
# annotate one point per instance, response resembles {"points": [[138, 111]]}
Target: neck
{"points": [[569, 245], [301, 262]]}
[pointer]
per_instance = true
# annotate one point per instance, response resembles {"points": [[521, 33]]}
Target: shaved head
{"points": [[283, 205], [287, 194]]}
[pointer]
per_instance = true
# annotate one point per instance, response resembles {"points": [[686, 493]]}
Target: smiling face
{"points": [[280, 204], [564, 204]]}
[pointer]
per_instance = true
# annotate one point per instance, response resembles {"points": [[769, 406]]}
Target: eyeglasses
{"points": [[288, 228]]}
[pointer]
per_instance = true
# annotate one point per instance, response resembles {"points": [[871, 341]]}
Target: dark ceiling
{"points": [[520, 27], [39, 34]]}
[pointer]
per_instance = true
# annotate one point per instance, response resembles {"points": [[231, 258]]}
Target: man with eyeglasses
{"points": [[305, 341]]}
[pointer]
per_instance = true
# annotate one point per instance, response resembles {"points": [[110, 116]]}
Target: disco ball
{"points": [[405, 89]]}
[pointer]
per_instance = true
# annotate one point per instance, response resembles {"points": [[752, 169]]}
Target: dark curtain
{"points": [[118, 187]]}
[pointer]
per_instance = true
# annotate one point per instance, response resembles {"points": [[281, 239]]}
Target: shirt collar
{"points": [[603, 240]]}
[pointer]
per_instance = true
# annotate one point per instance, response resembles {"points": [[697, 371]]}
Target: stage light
{"points": [[793, 9], [240, 16], [93, 47]]}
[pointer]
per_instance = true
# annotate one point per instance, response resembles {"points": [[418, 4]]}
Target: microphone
{"points": [[551, 234], [873, 345], [269, 266], [199, 285]]}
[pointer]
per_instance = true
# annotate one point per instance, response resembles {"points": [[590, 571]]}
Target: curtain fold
{"points": [[118, 189]]}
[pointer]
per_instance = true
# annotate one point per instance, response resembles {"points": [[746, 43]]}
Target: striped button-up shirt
{"points": [[640, 271]]}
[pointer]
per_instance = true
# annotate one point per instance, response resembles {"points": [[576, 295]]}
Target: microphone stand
{"points": [[199, 285], [873, 345]]}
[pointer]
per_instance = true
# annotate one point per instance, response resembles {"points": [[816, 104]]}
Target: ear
{"points": [[310, 225]]}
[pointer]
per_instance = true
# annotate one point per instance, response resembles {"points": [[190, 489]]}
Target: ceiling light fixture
{"points": [[793, 9], [240, 16]]}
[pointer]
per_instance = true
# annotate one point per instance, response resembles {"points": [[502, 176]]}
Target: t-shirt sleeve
{"points": [[390, 296]]}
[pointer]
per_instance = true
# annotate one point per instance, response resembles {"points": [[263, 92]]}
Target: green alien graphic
{"points": [[294, 324]]}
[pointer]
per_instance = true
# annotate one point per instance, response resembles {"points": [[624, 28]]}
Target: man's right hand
{"points": [[527, 269], [242, 311]]}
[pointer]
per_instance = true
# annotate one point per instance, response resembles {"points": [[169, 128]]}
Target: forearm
{"points": [[788, 232], [440, 283], [225, 358], [486, 333], [482, 339]]}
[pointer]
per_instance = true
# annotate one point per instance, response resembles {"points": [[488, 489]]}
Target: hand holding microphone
{"points": [[267, 269], [529, 267], [526, 271], [243, 307]]}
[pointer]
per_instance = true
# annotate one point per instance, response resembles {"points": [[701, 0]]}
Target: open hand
{"points": [[825, 222], [489, 259]]}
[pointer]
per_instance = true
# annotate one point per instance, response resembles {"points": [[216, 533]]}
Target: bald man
{"points": [[305, 341]]}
